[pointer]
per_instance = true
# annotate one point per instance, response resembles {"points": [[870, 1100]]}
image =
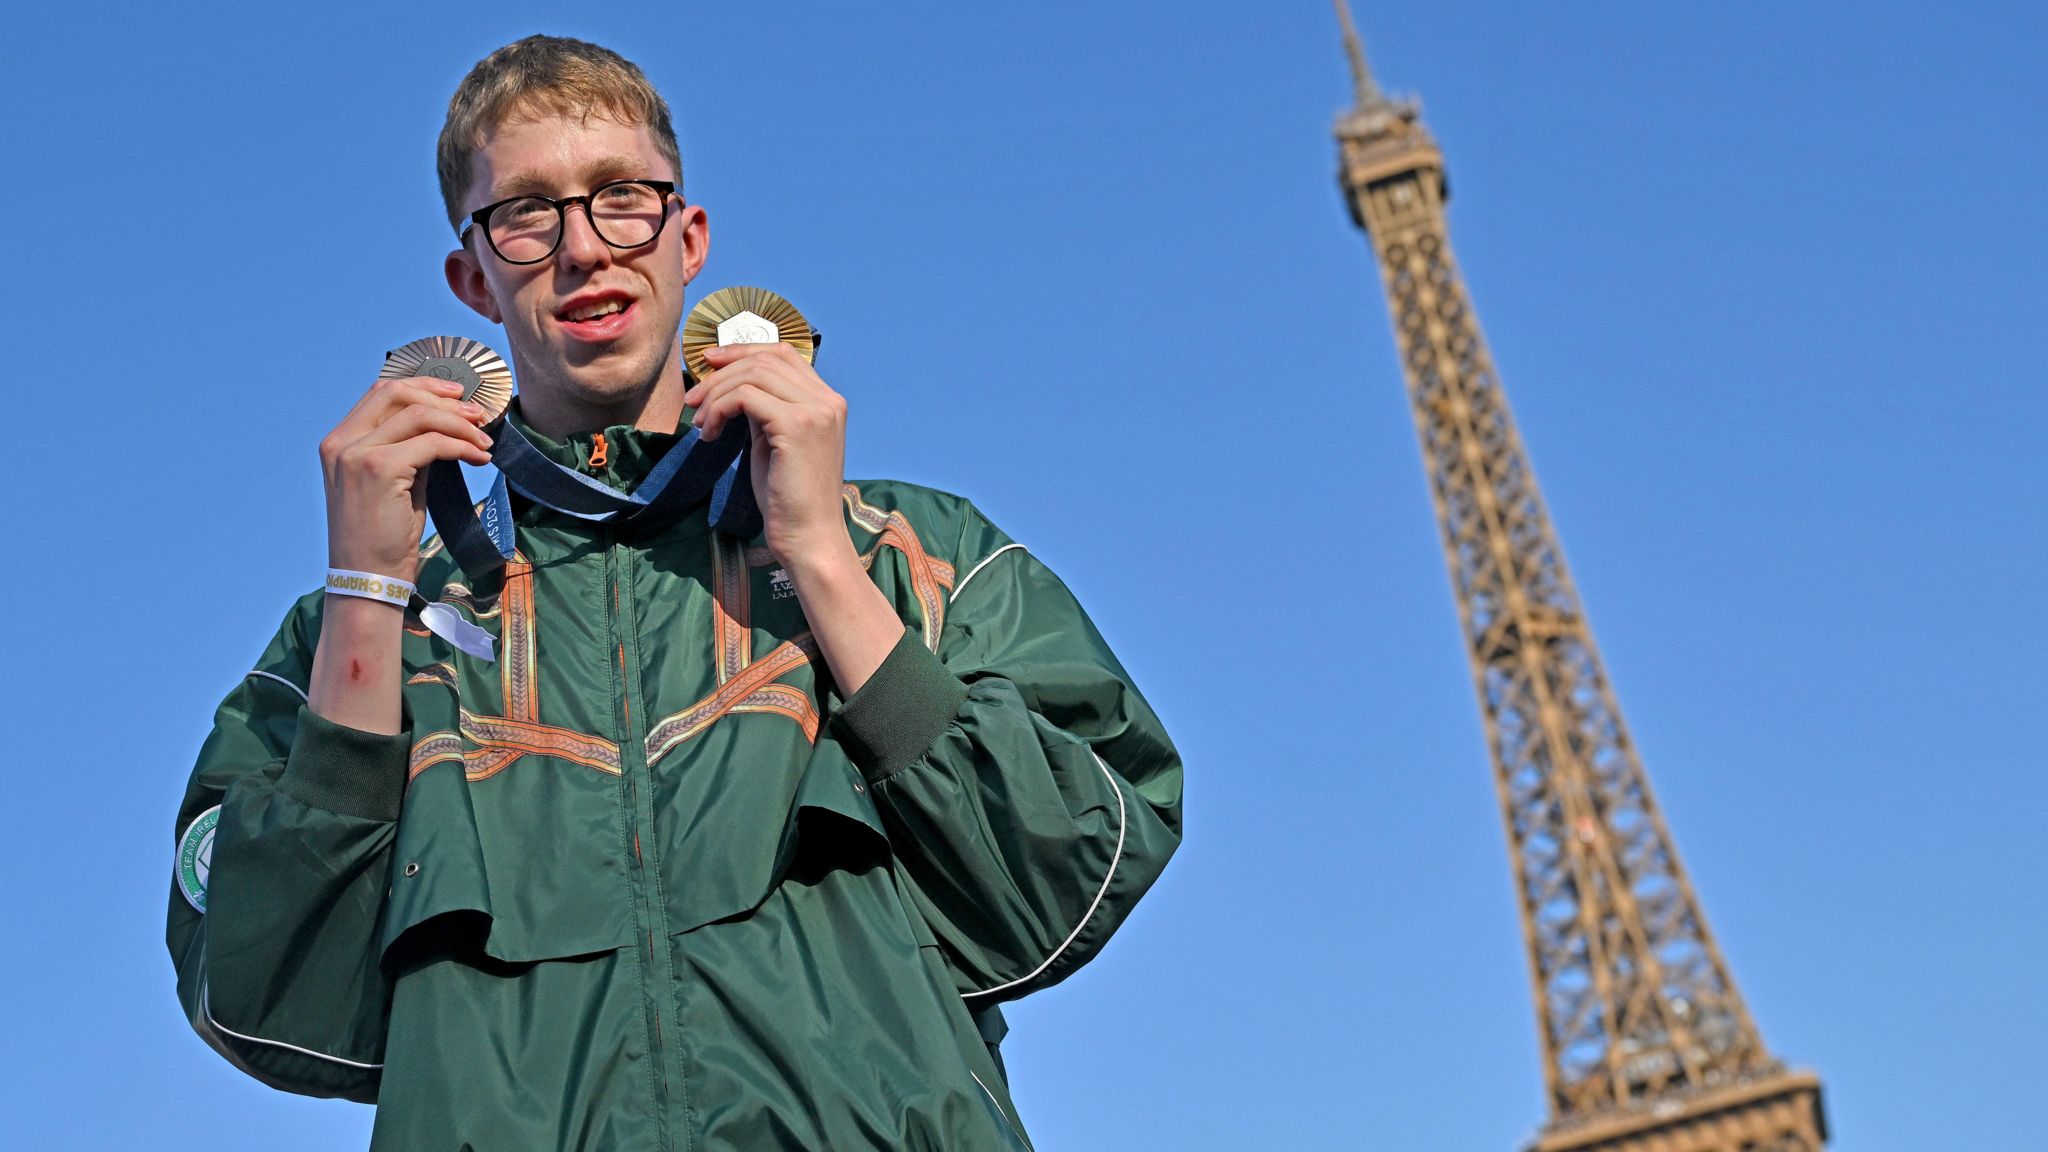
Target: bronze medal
{"points": [[485, 378]]}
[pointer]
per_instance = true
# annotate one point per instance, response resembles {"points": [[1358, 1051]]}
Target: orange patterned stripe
{"points": [[542, 740], [489, 759], [682, 725], [864, 514], [927, 575], [441, 673], [732, 633], [898, 534], [785, 700], [515, 662], [432, 749], [484, 763], [459, 596], [500, 742]]}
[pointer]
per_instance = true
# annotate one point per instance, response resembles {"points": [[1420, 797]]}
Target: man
{"points": [[736, 843]]}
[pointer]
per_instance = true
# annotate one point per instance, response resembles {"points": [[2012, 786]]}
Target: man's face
{"points": [[592, 327]]}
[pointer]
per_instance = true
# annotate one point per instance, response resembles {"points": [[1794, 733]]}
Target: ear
{"points": [[466, 280], [696, 226]]}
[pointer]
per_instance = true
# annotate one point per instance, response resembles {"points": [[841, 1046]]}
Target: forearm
{"points": [[399, 431], [1023, 848], [277, 936], [854, 623], [357, 666], [285, 979], [1029, 793]]}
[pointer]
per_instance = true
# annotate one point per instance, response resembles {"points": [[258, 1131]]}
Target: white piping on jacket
{"points": [[283, 681], [206, 989], [999, 1107], [984, 1087], [1099, 893], [976, 570], [206, 1007]]}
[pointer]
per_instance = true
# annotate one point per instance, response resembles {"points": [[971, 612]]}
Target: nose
{"points": [[581, 246]]}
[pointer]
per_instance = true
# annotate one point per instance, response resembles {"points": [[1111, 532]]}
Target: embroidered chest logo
{"points": [[779, 584], [195, 857]]}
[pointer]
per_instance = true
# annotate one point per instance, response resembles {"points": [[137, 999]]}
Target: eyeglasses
{"points": [[528, 229]]}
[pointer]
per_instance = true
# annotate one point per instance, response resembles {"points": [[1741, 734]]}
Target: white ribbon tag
{"points": [[449, 625]]}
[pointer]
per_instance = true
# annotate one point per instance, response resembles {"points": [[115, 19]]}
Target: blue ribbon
{"points": [[481, 538]]}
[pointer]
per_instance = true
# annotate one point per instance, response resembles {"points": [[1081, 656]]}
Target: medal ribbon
{"points": [[481, 538]]}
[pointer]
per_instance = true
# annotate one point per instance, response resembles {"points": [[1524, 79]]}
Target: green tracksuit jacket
{"points": [[647, 881]]}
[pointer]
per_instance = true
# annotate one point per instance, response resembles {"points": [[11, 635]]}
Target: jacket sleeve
{"points": [[273, 920], [1029, 792]]}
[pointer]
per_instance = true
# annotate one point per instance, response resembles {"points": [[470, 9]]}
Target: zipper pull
{"points": [[599, 452]]}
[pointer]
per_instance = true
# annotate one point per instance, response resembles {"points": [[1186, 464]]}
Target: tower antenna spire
{"points": [[1367, 92]]}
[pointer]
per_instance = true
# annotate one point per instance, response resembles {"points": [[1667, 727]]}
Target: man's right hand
{"points": [[375, 463]]}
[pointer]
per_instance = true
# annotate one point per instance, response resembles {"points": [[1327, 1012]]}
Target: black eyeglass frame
{"points": [[481, 218]]}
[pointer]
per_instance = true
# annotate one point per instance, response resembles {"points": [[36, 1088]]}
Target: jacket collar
{"points": [[624, 458]]}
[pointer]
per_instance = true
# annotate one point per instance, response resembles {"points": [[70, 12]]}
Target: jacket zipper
{"points": [[650, 911]]}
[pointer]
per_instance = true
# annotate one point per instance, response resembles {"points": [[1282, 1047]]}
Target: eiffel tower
{"points": [[1647, 1045]]}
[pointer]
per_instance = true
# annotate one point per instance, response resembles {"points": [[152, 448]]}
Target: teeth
{"points": [[592, 310]]}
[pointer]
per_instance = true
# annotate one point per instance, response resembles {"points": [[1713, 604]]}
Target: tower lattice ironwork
{"points": [[1647, 1045]]}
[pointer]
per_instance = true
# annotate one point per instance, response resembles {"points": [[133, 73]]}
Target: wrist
{"points": [[407, 572], [370, 585], [348, 556], [854, 623], [357, 617], [831, 562]]}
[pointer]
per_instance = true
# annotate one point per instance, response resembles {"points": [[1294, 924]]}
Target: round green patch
{"points": [[195, 856]]}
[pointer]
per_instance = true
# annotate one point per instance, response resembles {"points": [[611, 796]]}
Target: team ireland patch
{"points": [[195, 857]]}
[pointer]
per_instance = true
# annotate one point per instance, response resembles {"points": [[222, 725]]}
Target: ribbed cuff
{"points": [[346, 770], [900, 711]]}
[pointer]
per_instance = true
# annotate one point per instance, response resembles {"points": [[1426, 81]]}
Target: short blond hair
{"points": [[548, 76]]}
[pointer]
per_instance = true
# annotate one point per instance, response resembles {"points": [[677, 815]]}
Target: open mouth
{"points": [[597, 319]]}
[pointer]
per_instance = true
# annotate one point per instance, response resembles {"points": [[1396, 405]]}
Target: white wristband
{"points": [[370, 586]]}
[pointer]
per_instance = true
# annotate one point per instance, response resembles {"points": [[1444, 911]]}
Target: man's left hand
{"points": [[799, 447], [799, 463]]}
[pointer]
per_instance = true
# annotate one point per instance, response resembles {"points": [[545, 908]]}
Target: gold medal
{"points": [[486, 380], [744, 316]]}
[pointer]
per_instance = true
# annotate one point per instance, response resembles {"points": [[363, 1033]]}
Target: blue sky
{"points": [[1766, 287]]}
